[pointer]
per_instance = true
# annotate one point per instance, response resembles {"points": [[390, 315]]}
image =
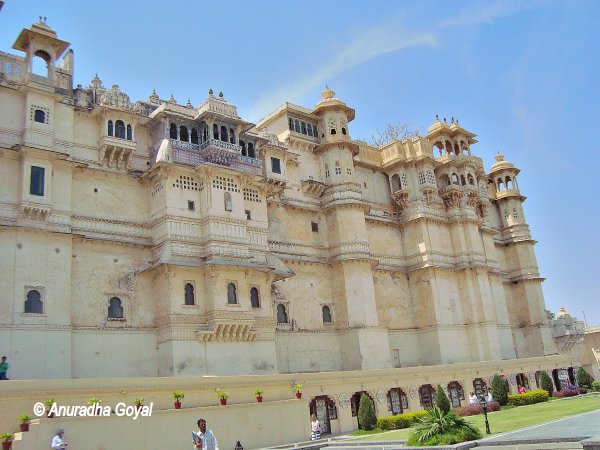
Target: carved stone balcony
{"points": [[452, 196], [401, 198], [219, 152], [312, 187], [227, 326], [248, 165], [114, 151]]}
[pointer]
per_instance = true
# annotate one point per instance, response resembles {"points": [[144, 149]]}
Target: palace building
{"points": [[151, 238]]}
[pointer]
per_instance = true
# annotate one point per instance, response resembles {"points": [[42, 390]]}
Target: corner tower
{"points": [[523, 285], [364, 344]]}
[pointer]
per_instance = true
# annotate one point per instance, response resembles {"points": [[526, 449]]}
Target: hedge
{"points": [[596, 385], [569, 392], [528, 398], [473, 410], [399, 421]]}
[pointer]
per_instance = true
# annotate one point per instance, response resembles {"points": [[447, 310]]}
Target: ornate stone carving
{"points": [[401, 198]]}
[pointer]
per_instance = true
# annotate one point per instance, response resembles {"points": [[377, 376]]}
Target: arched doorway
{"points": [[427, 395], [522, 381], [355, 403], [325, 410], [480, 387], [556, 379]]}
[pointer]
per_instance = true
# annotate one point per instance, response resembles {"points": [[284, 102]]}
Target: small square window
{"points": [[314, 226], [248, 214], [275, 165], [191, 205], [36, 183]]}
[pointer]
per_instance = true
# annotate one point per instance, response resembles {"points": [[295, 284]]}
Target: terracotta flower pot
{"points": [[6, 445], [24, 426], [259, 398], [223, 401], [298, 394], [177, 405]]}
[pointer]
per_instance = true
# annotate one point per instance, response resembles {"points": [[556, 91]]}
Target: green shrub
{"points": [[438, 427], [583, 379], [546, 383], [499, 390], [528, 398], [596, 386], [400, 421], [366, 416], [441, 399]]}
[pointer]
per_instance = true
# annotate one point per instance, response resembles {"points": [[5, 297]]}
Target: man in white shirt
{"points": [[209, 441], [57, 442]]}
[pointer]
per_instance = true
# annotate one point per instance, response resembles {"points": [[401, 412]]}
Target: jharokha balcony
{"points": [[216, 152]]}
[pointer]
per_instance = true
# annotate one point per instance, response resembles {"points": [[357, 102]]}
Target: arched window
{"points": [[397, 401], [254, 299], [332, 131], [190, 298], [40, 64], [120, 129], [509, 183], [297, 125], [33, 304], [462, 180], [454, 178], [445, 180], [231, 294], [303, 127], [500, 184], [173, 131], [326, 314], [39, 116], [231, 136], [215, 131], [343, 130], [194, 136], [471, 180], [456, 149], [396, 185], [110, 127], [426, 395], [456, 393], [224, 133], [291, 123], [183, 134], [281, 314], [115, 308], [228, 203], [480, 387], [243, 145], [129, 133], [251, 152]]}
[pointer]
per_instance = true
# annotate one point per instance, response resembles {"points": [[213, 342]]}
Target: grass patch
{"points": [[510, 419], [366, 432]]}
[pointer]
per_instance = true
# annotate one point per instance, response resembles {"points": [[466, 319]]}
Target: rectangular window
{"points": [[275, 165], [248, 214], [36, 183], [191, 205], [314, 226]]}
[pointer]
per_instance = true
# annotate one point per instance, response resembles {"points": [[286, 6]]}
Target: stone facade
{"points": [[152, 238]]}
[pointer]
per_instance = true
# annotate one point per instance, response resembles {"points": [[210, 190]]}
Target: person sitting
{"points": [[473, 400], [522, 389]]}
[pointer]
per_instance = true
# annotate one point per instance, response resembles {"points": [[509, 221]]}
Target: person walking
{"points": [[3, 369], [58, 443], [207, 439], [315, 428]]}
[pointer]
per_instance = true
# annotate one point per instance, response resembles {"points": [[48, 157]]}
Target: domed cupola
{"points": [[504, 176], [334, 115]]}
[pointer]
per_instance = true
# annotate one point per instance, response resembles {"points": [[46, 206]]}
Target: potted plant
{"points": [[297, 388], [177, 396], [6, 440], [24, 419], [139, 402], [223, 396], [258, 392], [48, 404], [94, 402]]}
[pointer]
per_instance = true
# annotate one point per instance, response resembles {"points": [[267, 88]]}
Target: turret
{"points": [[503, 188], [335, 147]]}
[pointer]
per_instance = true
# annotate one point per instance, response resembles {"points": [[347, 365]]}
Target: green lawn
{"points": [[513, 418]]}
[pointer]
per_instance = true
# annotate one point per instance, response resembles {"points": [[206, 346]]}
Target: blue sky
{"points": [[522, 75]]}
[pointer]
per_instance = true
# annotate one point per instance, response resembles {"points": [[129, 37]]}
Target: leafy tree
{"points": [[499, 390], [441, 399], [546, 383], [437, 423], [583, 379], [366, 416]]}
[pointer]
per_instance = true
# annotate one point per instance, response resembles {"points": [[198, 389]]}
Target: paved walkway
{"points": [[574, 427]]}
